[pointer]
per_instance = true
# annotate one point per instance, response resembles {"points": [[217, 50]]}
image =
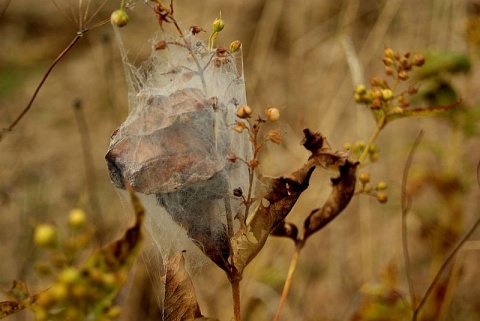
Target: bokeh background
{"points": [[303, 57]]}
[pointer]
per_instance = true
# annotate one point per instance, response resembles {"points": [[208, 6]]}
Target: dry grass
{"points": [[301, 57]]}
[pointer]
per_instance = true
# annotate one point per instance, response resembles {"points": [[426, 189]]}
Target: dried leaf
{"points": [[120, 254], [165, 143], [104, 273], [276, 205], [286, 229], [20, 299], [180, 300], [10, 307], [342, 191]]}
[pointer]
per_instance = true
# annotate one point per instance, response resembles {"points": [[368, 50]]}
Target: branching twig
{"points": [[29, 105]]}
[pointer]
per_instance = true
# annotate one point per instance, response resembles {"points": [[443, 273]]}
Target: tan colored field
{"points": [[303, 57]]}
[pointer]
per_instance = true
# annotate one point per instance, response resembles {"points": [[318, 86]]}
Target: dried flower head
{"points": [[273, 114]]}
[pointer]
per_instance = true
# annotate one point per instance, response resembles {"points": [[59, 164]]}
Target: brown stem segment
{"points": [[235, 282]]}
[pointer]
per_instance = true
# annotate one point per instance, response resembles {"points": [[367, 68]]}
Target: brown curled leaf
{"points": [[342, 191], [20, 298], [286, 229], [272, 210], [180, 300]]}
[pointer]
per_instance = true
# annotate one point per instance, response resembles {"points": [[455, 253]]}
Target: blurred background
{"points": [[305, 58]]}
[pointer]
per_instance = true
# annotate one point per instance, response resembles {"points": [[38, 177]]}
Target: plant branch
{"points": [[405, 210], [373, 138], [30, 103], [235, 283]]}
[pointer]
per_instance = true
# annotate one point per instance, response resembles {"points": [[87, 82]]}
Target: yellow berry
{"points": [[76, 218], [387, 94], [382, 197], [364, 178], [45, 235], [360, 89], [69, 275], [381, 186]]}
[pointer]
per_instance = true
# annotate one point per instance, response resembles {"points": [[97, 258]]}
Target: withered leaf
{"points": [[20, 298], [322, 153], [165, 143], [343, 188], [286, 229], [10, 307], [180, 300], [113, 262], [280, 199]]}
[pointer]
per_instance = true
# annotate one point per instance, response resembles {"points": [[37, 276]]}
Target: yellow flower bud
{"points": [[45, 235], [389, 53], [119, 18], [218, 25], [235, 46], [273, 114]]}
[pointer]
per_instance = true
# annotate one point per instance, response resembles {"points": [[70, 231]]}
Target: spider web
{"points": [[174, 147]]}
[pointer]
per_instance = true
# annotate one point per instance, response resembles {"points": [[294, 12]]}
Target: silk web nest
{"points": [[175, 144]]}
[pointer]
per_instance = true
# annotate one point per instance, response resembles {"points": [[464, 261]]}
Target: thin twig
{"points": [[29, 105], [406, 204]]}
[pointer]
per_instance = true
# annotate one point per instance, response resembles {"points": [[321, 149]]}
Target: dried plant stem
{"points": [[289, 279], [88, 160], [405, 210], [30, 103], [442, 269]]}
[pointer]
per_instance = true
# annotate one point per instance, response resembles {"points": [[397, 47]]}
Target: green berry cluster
{"points": [[359, 147]]}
